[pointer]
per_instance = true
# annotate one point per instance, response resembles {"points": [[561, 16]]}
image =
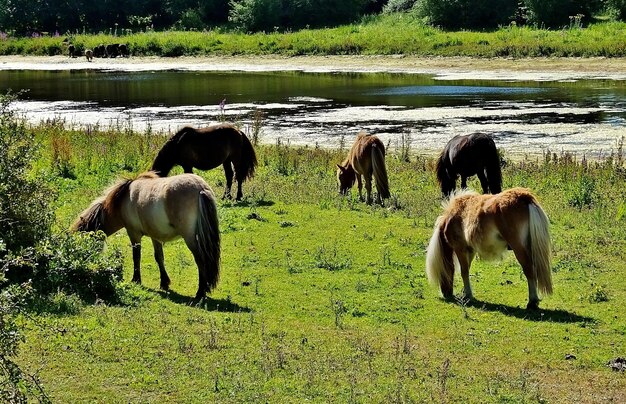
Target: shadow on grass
{"points": [[555, 316], [246, 203], [206, 303]]}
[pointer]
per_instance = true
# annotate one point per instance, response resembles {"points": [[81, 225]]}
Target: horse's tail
{"points": [[380, 172], [493, 171], [540, 249], [208, 238], [440, 259], [443, 178], [248, 158]]}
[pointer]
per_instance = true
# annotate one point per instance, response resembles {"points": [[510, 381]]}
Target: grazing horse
{"points": [[487, 225], [162, 209], [466, 156], [207, 148], [366, 158]]}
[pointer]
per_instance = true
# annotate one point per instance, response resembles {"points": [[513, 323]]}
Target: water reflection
{"points": [[319, 108]]}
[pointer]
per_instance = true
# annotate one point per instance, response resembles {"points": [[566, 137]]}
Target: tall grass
{"points": [[380, 35], [323, 298]]}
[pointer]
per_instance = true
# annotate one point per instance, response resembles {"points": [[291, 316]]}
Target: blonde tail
{"points": [[540, 247], [439, 262]]}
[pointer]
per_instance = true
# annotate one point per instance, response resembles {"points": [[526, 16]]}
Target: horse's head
{"points": [[91, 219], [345, 177]]}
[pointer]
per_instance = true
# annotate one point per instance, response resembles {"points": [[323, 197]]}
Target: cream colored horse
{"points": [[488, 225], [163, 209]]}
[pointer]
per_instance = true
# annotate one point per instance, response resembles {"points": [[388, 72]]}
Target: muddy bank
{"points": [[542, 69]]}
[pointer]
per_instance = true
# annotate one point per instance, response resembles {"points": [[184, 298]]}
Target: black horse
{"points": [[474, 154], [208, 148]]}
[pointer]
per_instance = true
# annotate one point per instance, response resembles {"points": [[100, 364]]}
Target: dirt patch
{"points": [[443, 67]]}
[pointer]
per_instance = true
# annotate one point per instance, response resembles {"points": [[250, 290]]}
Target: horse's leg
{"points": [[228, 172], [483, 182], [360, 184], [136, 246], [188, 169], [525, 260], [203, 286], [239, 185], [368, 188], [465, 258], [463, 182], [158, 256]]}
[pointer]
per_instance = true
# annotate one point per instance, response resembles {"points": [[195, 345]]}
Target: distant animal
{"points": [[123, 50], [487, 225], [365, 159], [162, 209], [89, 54], [207, 148], [474, 154], [100, 51], [71, 50], [113, 50]]}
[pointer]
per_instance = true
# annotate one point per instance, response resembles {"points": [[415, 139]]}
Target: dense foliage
{"points": [[34, 262], [62, 17]]}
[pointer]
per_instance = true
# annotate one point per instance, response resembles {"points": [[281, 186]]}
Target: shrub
{"points": [[467, 14], [270, 15], [560, 13], [24, 214], [395, 6], [617, 9]]}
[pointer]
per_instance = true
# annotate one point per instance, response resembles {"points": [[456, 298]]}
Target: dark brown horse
{"points": [[207, 148], [163, 209], [474, 154], [488, 225], [367, 159]]}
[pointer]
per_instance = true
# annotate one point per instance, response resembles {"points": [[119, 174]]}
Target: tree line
{"points": [[38, 17]]}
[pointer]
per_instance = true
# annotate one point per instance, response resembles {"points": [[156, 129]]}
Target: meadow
{"points": [[323, 298], [376, 35]]}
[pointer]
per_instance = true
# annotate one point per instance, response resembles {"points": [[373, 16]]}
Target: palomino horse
{"points": [[207, 148], [162, 209], [366, 158], [466, 156], [487, 225]]}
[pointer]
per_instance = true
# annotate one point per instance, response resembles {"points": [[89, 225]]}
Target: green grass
{"points": [[380, 35], [323, 298]]}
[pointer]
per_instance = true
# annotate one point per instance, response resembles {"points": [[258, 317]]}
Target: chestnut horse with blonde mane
{"points": [[367, 159], [207, 148], [163, 209], [488, 225]]}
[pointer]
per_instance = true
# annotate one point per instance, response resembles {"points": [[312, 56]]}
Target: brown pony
{"points": [[207, 148], [366, 158], [487, 225], [162, 209]]}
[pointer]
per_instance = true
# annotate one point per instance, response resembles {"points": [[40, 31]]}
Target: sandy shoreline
{"points": [[543, 69]]}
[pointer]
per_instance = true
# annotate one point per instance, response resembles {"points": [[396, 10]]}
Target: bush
{"points": [[467, 14], [395, 6], [24, 214], [617, 9], [270, 15], [561, 13]]}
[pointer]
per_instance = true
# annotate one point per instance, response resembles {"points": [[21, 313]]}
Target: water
{"points": [[582, 116]]}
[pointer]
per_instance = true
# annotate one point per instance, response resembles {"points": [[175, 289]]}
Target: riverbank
{"points": [[451, 68]]}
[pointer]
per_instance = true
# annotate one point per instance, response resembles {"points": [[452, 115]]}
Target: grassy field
{"points": [[380, 35], [324, 298]]}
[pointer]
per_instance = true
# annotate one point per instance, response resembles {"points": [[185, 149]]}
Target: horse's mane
{"points": [[457, 194]]}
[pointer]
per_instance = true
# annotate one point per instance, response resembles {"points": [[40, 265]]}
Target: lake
{"points": [[320, 108]]}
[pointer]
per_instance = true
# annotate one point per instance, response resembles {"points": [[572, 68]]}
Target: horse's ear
{"points": [[342, 168]]}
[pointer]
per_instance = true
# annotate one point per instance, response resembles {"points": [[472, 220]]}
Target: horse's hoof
{"points": [[534, 305], [165, 286], [136, 280]]}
